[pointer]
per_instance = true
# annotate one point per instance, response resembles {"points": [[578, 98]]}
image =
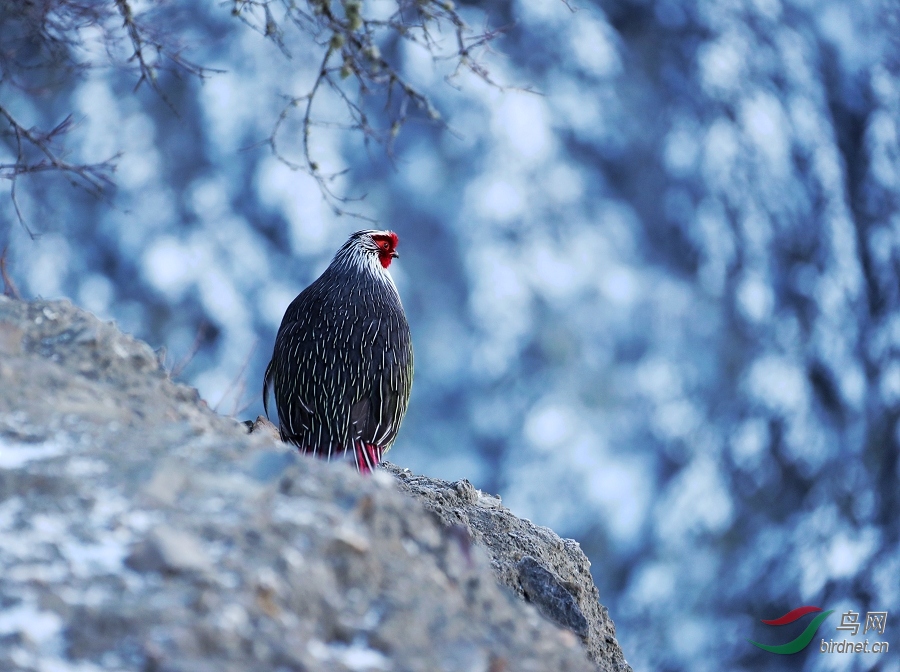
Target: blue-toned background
{"points": [[654, 305]]}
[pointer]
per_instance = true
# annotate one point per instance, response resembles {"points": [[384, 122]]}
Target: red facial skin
{"points": [[387, 245]]}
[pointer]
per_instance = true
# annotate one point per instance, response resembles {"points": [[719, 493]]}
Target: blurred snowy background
{"points": [[654, 307]]}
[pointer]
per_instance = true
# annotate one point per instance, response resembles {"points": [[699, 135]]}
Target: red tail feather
{"points": [[367, 457]]}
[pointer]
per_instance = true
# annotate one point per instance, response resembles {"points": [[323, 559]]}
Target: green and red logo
{"points": [[804, 638]]}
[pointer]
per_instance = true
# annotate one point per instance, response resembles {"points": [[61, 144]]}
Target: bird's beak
{"points": [[394, 255]]}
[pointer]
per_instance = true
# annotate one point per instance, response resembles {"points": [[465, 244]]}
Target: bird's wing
{"points": [[292, 381], [375, 417]]}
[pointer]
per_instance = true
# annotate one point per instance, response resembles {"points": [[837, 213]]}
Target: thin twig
{"points": [[9, 287], [37, 152], [234, 382], [182, 364], [351, 56], [141, 39], [47, 45], [93, 174]]}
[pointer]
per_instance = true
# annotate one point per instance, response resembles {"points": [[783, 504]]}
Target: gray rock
{"points": [[554, 600], [169, 550], [139, 530], [533, 561]]}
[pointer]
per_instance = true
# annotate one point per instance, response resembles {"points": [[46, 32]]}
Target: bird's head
{"points": [[381, 244]]}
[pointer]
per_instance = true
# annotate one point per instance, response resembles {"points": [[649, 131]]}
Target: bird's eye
{"points": [[385, 245]]}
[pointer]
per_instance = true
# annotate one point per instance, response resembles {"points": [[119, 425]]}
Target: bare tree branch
{"points": [[38, 151], [44, 45], [179, 366], [352, 59], [9, 287], [144, 38], [95, 176], [239, 382]]}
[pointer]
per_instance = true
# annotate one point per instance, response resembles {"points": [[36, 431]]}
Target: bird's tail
{"points": [[364, 456], [367, 456]]}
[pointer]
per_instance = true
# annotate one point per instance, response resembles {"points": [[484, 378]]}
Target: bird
{"points": [[342, 365]]}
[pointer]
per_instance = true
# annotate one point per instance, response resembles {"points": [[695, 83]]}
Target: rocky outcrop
{"points": [[141, 531], [533, 561]]}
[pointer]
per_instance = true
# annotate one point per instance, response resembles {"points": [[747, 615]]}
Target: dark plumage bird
{"points": [[342, 367]]}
